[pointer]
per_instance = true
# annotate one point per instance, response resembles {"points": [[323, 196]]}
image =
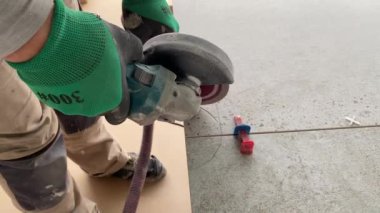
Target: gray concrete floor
{"points": [[300, 65], [323, 171]]}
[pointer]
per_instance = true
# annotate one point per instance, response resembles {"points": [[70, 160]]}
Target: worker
{"points": [[53, 48]]}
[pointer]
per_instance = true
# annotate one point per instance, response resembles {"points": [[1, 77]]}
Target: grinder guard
{"points": [[188, 55]]}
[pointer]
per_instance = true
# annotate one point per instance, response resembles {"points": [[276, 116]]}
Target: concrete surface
{"points": [[324, 171], [299, 66]]}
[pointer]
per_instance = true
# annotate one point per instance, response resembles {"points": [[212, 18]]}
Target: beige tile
{"points": [[170, 195], [6, 204], [109, 10]]}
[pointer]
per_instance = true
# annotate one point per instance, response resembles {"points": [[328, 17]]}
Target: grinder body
{"points": [[178, 73], [156, 95]]}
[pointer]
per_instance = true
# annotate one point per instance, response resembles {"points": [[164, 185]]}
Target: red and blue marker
{"points": [[242, 132]]}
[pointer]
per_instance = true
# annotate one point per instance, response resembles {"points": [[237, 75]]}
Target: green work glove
{"points": [[81, 69], [148, 18]]}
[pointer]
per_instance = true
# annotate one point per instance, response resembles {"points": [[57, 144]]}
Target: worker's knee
{"points": [[38, 181]]}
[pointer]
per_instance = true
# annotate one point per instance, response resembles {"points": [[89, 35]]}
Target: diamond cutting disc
{"points": [[213, 93]]}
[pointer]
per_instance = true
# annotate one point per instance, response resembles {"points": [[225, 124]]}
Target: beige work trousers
{"points": [[27, 127]]}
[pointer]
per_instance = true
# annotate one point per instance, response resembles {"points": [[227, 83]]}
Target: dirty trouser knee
{"points": [[41, 183], [27, 128], [38, 181], [91, 146]]}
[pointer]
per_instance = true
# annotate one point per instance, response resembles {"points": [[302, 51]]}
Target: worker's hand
{"points": [[81, 68], [148, 18]]}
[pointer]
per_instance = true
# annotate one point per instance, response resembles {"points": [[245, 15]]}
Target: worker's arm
{"points": [[19, 22], [25, 24], [78, 66], [33, 14], [77, 63], [34, 45]]}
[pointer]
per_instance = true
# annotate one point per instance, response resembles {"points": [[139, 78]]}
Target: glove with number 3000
{"points": [[81, 68]]}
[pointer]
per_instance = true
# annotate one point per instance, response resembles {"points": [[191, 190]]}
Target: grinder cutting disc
{"points": [[187, 55], [213, 93]]}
